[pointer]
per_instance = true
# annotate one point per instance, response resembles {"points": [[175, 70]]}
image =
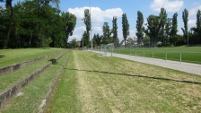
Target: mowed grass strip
{"points": [[35, 92], [108, 84], [64, 98], [188, 54], [14, 56], [10, 79]]}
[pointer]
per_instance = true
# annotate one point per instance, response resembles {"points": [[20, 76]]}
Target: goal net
{"points": [[107, 50]]}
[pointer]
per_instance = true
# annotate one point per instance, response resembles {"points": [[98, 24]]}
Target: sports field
{"points": [[183, 54]]}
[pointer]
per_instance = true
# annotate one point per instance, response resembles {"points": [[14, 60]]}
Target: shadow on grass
{"points": [[1, 56], [54, 61], [139, 76]]}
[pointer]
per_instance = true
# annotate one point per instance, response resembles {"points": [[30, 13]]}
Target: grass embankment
{"points": [[188, 54], [11, 78], [107, 84], [36, 91], [14, 56]]}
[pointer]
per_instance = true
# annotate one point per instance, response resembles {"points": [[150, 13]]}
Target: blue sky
{"points": [[104, 10]]}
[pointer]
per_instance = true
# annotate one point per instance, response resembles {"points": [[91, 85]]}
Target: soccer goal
{"points": [[107, 50]]}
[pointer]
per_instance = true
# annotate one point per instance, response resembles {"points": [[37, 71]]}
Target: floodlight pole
{"points": [[91, 27]]}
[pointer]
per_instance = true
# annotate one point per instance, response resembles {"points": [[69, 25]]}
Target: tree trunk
{"points": [[31, 35], [10, 26]]}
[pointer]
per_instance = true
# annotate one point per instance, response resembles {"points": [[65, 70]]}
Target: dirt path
{"points": [[84, 88], [184, 67], [93, 98]]}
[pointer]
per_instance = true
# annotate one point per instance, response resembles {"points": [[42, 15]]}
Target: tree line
{"points": [[35, 23], [158, 31]]}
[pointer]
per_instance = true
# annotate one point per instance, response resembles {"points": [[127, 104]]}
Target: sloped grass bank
{"points": [[33, 95], [12, 78], [15, 56]]}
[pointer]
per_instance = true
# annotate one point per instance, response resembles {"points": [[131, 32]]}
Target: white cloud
{"points": [[132, 34], [194, 10], [80, 28], [98, 29], [77, 33], [191, 23], [170, 6], [98, 15]]}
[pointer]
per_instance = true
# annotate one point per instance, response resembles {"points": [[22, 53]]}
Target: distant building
{"points": [[78, 43]]}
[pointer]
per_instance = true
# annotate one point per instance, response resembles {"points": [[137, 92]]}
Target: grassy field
{"points": [[94, 84], [14, 56], [187, 54]]}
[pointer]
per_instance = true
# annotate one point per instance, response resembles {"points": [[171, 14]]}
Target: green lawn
{"points": [[185, 54], [14, 56], [94, 84]]}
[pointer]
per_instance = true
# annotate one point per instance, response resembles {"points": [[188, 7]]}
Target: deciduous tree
{"points": [[125, 27], [174, 28], [153, 27], [140, 27], [185, 29], [106, 33], [115, 32]]}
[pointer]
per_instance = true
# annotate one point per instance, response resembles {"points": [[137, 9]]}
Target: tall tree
{"points": [[197, 29], [198, 21], [106, 33], [168, 27], [97, 40], [87, 22], [162, 20], [3, 25], [195, 34], [115, 31], [174, 28], [10, 26], [125, 27], [84, 41], [198, 25], [153, 27], [70, 22], [140, 27], [185, 29]]}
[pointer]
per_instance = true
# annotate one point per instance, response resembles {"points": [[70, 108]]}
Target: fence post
{"points": [[180, 57], [111, 51], [130, 52], [152, 54], [166, 55]]}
